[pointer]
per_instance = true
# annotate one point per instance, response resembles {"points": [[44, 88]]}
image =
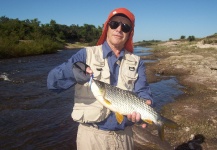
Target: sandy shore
{"points": [[195, 66]]}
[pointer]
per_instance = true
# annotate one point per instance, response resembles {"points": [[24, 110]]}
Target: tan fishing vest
{"points": [[86, 108]]}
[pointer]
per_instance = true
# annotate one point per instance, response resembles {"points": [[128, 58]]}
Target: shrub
{"points": [[11, 47]]}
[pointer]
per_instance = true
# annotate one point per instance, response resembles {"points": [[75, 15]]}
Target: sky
{"points": [[155, 19]]}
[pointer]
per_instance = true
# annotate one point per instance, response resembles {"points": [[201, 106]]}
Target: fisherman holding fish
{"points": [[112, 61]]}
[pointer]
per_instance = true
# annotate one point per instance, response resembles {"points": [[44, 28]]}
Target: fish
{"points": [[124, 102]]}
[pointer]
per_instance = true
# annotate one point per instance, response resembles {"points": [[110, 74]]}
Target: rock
{"points": [[145, 140]]}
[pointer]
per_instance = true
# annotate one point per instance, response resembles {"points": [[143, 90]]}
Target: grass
{"points": [[76, 45]]}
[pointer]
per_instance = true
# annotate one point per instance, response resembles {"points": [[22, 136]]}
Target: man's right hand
{"points": [[89, 71], [81, 72]]}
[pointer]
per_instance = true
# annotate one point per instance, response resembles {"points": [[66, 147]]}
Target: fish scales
{"points": [[127, 102]]}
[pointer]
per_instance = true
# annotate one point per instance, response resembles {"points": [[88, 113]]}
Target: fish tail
{"points": [[165, 122]]}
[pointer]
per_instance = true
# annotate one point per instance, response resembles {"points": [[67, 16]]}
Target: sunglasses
{"points": [[124, 27]]}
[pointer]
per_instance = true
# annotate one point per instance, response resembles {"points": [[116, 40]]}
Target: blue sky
{"points": [[155, 19]]}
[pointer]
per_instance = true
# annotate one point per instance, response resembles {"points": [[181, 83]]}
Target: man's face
{"points": [[116, 37]]}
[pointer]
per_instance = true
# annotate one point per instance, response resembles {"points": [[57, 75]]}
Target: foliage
{"points": [[182, 37], [147, 43], [191, 38], [212, 39], [30, 37]]}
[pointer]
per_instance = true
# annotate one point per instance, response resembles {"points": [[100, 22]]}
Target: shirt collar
{"points": [[107, 50]]}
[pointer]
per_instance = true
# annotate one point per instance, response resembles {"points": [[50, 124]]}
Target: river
{"points": [[32, 117]]}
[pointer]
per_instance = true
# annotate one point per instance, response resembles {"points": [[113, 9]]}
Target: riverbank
{"points": [[195, 66]]}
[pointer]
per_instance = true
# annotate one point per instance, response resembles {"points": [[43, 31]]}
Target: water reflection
{"points": [[143, 51], [165, 91]]}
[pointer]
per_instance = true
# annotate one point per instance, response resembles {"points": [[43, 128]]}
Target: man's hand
{"points": [[89, 71], [136, 117], [81, 72]]}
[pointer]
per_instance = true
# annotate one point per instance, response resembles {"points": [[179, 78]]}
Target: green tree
{"points": [[182, 37], [31, 37], [191, 38]]}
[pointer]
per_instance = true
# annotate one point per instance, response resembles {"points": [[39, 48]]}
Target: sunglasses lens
{"points": [[113, 24], [124, 27]]}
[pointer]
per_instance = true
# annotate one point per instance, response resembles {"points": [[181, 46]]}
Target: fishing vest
{"points": [[86, 108]]}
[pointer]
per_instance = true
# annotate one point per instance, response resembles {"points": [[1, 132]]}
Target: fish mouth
{"points": [[91, 81]]}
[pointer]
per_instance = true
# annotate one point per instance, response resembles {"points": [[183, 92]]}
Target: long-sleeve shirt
{"points": [[62, 78]]}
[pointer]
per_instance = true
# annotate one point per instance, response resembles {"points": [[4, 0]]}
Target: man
{"points": [[111, 61]]}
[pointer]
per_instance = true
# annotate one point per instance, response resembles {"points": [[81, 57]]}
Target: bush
{"points": [[191, 38], [11, 47], [182, 37], [209, 41]]}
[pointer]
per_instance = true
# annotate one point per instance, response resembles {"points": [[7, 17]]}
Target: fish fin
{"points": [[169, 123], [161, 132], [148, 121], [107, 102], [165, 122], [119, 117]]}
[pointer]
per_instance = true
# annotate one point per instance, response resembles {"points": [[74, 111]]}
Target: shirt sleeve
{"points": [[141, 86], [61, 77]]}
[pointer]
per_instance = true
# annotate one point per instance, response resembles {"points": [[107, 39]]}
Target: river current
{"points": [[32, 117]]}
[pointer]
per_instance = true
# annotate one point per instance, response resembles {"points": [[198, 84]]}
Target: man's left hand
{"points": [[136, 117]]}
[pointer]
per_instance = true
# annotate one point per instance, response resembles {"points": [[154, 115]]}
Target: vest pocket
{"points": [[88, 113], [101, 74], [129, 77], [96, 73]]}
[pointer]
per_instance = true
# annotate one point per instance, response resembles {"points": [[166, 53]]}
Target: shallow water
{"points": [[32, 117], [142, 51]]}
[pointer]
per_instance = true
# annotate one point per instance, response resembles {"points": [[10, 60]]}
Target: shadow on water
{"points": [[32, 117]]}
